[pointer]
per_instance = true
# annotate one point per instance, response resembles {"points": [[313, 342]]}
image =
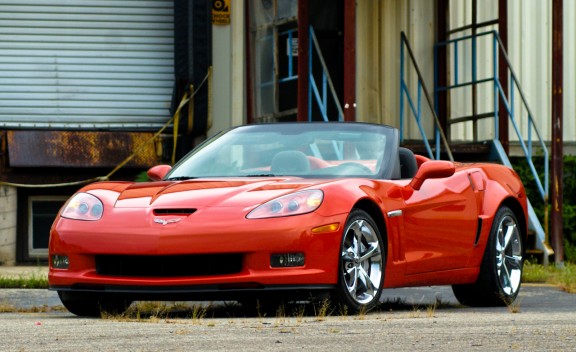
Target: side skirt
{"points": [[437, 278]]}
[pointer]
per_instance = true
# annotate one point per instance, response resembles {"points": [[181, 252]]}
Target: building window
{"points": [[274, 59], [42, 210]]}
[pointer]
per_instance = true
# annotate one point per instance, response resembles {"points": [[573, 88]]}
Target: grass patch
{"points": [[152, 311], [514, 307], [24, 281], [8, 308], [565, 278]]}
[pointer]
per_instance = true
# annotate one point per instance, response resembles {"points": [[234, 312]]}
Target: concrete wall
{"points": [[8, 205]]}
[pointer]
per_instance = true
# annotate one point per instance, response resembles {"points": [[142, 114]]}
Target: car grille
{"points": [[171, 266]]}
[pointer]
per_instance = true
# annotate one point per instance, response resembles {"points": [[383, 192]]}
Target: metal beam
{"points": [[442, 31], [503, 74], [303, 69], [557, 117], [349, 60]]}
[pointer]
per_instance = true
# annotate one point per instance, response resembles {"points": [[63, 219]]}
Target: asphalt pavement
{"points": [[412, 319]]}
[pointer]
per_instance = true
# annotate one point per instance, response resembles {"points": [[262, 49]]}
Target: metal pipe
{"points": [[557, 117], [303, 84]]}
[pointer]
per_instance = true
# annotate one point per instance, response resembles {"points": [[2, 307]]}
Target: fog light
{"points": [[60, 262], [286, 260]]}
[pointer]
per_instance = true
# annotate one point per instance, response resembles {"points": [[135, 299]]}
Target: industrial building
{"points": [[85, 85]]}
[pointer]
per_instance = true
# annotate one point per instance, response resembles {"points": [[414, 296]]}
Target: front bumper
{"points": [[215, 231]]}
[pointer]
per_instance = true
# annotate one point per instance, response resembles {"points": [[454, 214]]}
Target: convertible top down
{"points": [[288, 212]]}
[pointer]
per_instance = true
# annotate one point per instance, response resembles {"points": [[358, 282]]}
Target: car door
{"points": [[440, 224]]}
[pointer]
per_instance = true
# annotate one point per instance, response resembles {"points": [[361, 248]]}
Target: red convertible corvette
{"points": [[293, 211]]}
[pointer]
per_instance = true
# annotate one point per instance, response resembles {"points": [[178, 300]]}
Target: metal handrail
{"points": [[321, 98], [322, 101], [514, 82], [509, 102], [417, 111]]}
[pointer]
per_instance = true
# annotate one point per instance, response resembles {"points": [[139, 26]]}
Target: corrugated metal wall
{"points": [[529, 48], [86, 63], [379, 24], [461, 101]]}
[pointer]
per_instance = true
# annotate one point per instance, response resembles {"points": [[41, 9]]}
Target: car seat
{"points": [[290, 162], [408, 164]]}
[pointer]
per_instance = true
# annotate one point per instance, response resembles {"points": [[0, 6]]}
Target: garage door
{"points": [[86, 64]]}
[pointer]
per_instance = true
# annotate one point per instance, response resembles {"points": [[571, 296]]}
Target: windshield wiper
{"points": [[180, 178], [261, 175]]}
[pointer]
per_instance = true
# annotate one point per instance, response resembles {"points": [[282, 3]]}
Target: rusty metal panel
{"points": [[78, 149]]}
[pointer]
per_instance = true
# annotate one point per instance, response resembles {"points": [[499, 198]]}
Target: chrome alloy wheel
{"points": [[508, 255], [362, 261]]}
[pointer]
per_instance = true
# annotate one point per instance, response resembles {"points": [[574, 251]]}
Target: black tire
{"points": [[500, 274], [90, 306], [361, 264]]}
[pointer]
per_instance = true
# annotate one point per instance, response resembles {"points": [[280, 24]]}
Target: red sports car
{"points": [[293, 211]]}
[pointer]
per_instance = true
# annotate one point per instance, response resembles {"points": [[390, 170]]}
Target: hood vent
{"points": [[175, 211]]}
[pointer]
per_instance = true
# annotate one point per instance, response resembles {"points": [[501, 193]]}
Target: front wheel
{"points": [[500, 275], [89, 306], [362, 260]]}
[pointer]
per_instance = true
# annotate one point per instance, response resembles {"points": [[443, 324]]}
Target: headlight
{"points": [[83, 206], [291, 204]]}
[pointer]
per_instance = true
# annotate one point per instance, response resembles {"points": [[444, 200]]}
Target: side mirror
{"points": [[432, 169], [157, 173]]}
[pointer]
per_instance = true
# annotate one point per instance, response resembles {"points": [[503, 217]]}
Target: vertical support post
{"points": [[503, 75], [442, 27], [474, 85], [402, 87], [557, 117], [303, 53], [311, 79], [497, 102], [349, 60], [276, 66], [249, 82]]}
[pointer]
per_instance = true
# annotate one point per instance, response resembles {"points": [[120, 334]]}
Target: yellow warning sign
{"points": [[220, 11]]}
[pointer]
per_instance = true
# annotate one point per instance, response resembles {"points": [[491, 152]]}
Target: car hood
{"points": [[197, 193]]}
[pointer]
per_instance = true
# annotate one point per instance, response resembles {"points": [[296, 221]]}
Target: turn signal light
{"points": [[60, 262]]}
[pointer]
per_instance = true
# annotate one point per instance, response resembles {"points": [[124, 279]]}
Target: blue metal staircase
{"points": [[321, 91], [527, 135], [320, 97]]}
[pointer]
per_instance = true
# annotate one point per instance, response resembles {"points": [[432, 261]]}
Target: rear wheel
{"points": [[500, 275], [361, 267], [90, 306]]}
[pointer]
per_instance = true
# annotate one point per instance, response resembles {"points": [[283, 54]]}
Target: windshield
{"points": [[297, 149]]}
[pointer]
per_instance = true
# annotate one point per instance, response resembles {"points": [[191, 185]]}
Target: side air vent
{"points": [[177, 211]]}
